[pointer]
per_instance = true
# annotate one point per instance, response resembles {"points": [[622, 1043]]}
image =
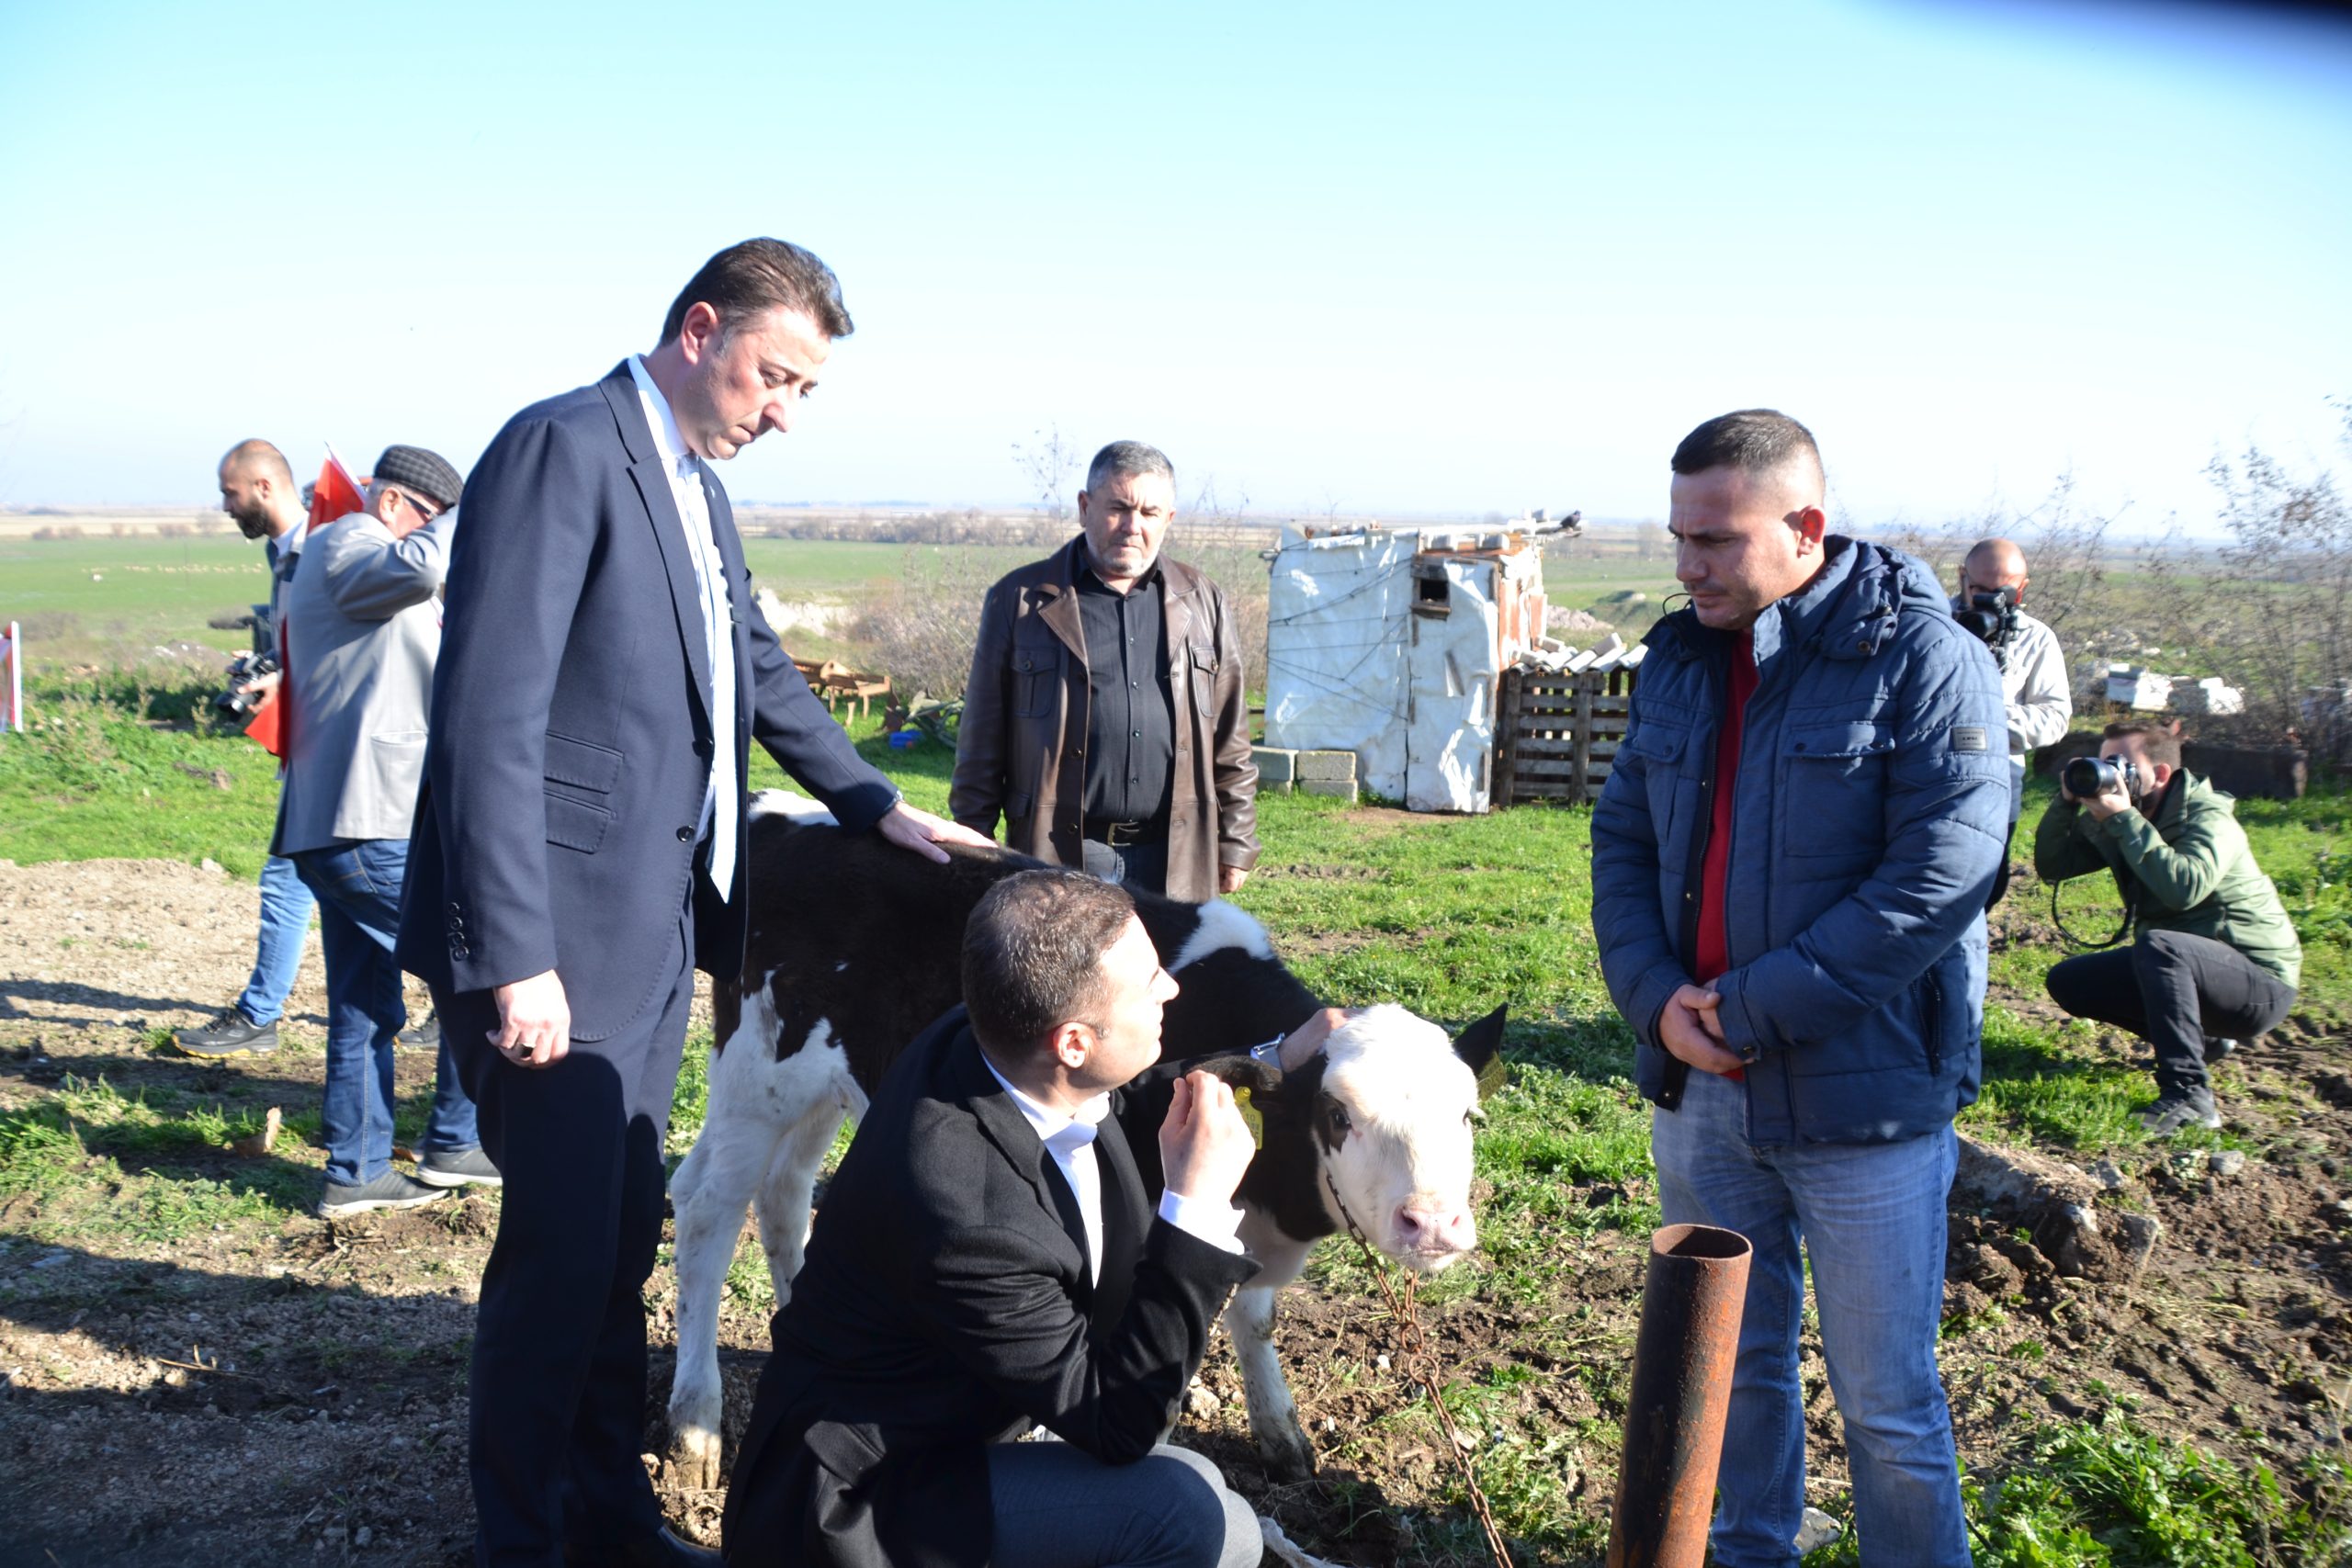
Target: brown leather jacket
{"points": [[1022, 748]]}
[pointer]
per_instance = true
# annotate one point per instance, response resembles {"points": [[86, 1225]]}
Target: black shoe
{"points": [[229, 1034], [389, 1191], [458, 1168], [662, 1549], [425, 1036], [2172, 1115]]}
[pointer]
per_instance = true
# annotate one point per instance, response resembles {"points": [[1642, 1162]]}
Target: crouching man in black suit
{"points": [[986, 1261]]}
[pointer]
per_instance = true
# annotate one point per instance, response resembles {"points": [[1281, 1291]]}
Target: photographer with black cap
{"points": [[1991, 604], [2215, 959]]}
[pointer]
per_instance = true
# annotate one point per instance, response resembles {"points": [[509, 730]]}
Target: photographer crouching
{"points": [[2214, 960]]}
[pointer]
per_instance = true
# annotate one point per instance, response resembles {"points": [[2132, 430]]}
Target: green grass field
{"points": [[1446, 916]]}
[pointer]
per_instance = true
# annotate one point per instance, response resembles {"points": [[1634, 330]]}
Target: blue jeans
{"points": [[1870, 1217], [277, 954], [358, 889]]}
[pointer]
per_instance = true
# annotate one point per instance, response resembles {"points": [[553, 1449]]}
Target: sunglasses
{"points": [[425, 510]]}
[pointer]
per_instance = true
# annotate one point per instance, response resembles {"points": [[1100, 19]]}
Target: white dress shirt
{"points": [[1069, 1137], [719, 805]]}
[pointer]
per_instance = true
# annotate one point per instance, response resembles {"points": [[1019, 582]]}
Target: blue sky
{"points": [[1378, 258]]}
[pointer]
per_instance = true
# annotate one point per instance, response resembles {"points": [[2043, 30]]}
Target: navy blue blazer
{"points": [[571, 725]]}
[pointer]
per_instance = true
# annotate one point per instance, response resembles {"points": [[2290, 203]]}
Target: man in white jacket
{"points": [[2034, 671]]}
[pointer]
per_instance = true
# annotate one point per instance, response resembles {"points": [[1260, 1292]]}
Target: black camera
{"points": [[239, 700], [1991, 616], [2086, 776]]}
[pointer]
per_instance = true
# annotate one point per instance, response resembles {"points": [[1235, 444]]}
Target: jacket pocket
{"points": [[1035, 674], [1837, 781], [581, 765], [1660, 743], [575, 824], [1931, 1021]]}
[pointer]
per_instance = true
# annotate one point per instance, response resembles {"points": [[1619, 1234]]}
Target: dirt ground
{"points": [[289, 1389]]}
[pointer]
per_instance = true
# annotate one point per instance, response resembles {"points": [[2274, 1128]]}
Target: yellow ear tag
{"points": [[1250, 1114]]}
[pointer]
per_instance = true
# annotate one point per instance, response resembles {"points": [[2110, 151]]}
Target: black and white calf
{"points": [[854, 946]]}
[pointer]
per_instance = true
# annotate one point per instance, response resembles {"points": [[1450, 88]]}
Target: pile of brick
{"points": [[1309, 773]]}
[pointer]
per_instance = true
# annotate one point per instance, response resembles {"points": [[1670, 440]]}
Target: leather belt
{"points": [[1119, 835]]}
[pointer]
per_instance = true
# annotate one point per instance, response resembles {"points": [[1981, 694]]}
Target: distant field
{"points": [[103, 599], [112, 601]]}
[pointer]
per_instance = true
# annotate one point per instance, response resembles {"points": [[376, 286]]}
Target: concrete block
{"points": [[1337, 789], [1326, 767], [1275, 766]]}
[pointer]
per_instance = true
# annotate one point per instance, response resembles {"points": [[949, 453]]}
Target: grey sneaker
{"points": [[2217, 1048], [2174, 1114], [389, 1191], [229, 1033], [425, 1036], [458, 1168]]}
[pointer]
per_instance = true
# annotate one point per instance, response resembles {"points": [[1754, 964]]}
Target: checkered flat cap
{"points": [[427, 473]]}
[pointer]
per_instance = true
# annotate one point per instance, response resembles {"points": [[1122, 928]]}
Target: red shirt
{"points": [[1715, 946]]}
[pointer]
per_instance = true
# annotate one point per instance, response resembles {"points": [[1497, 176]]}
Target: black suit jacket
{"points": [[572, 724], [944, 1304]]}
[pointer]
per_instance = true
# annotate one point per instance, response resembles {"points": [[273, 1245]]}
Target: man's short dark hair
{"points": [[1033, 955], [1756, 440], [1123, 458], [745, 279], [257, 458], [2158, 743]]}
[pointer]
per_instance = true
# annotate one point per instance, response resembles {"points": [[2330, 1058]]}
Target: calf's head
{"points": [[1390, 1115]]}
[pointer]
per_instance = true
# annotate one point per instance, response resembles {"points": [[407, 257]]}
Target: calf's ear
{"points": [[1480, 1046]]}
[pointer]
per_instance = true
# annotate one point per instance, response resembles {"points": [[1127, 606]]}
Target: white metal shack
{"points": [[1390, 643]]}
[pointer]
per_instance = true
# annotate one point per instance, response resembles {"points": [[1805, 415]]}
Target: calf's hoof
{"points": [[1288, 1455], [693, 1460]]}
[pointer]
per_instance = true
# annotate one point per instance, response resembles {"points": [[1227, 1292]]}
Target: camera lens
{"points": [[2087, 776]]}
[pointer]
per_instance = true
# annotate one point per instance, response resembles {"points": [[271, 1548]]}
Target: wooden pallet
{"points": [[1555, 735]]}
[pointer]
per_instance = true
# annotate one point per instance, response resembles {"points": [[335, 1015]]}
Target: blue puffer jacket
{"points": [[1870, 814]]}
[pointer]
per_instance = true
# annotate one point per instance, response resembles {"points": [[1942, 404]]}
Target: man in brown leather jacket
{"points": [[1104, 720]]}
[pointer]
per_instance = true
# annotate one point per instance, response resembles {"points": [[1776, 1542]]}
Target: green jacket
{"points": [[2189, 869]]}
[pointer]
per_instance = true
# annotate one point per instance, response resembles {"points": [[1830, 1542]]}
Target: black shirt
{"points": [[1131, 718]]}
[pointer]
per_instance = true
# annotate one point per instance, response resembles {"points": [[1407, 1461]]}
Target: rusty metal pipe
{"points": [[1674, 1417]]}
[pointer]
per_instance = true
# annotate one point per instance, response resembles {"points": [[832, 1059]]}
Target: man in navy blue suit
{"points": [[579, 853]]}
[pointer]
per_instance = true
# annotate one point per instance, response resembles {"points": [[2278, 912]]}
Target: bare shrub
{"points": [[2269, 610], [2067, 556], [922, 630], [1215, 537], [1046, 460]]}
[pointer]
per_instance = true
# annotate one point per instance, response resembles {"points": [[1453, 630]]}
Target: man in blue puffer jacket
{"points": [[1790, 869]]}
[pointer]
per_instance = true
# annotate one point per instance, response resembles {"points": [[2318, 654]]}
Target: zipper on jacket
{"points": [[1932, 1025]]}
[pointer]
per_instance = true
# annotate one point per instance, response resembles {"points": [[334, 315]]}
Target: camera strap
{"points": [[2123, 930]]}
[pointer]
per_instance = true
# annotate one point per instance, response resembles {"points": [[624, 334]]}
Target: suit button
{"points": [[460, 952], [453, 908], [686, 835], [702, 748]]}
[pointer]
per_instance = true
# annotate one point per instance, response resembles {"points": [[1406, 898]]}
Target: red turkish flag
{"points": [[336, 494]]}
